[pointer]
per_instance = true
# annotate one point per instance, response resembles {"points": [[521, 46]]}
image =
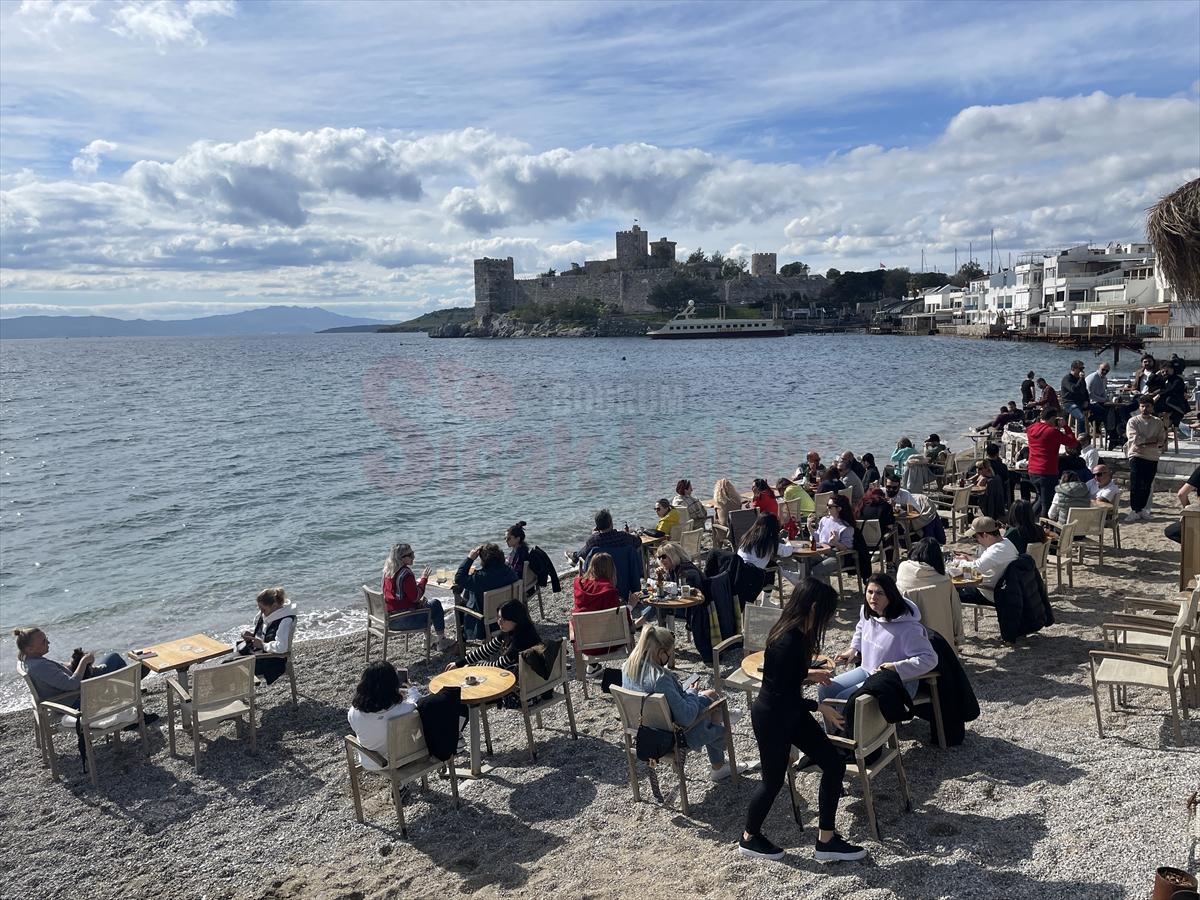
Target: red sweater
{"points": [[1044, 443], [765, 502], [410, 590], [593, 595]]}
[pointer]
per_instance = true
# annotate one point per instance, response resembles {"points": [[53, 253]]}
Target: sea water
{"points": [[150, 487]]}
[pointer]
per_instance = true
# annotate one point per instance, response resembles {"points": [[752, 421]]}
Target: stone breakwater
{"points": [[506, 326]]}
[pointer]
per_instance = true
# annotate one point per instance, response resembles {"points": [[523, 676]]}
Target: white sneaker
{"points": [[721, 774], [1131, 517]]}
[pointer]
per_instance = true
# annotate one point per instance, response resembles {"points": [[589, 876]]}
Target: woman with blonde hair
{"points": [[405, 593], [725, 498], [646, 671], [271, 633]]}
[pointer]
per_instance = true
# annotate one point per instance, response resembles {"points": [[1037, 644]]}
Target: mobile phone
{"points": [[144, 654], [403, 673], [691, 682]]}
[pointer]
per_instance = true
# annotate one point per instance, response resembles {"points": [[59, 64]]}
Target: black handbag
{"points": [[652, 743]]}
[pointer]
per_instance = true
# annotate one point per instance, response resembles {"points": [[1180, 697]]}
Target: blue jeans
{"points": [[417, 623], [1076, 413], [711, 736], [1044, 485], [826, 569], [842, 686]]}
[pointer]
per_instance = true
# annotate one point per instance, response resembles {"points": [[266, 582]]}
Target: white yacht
{"points": [[685, 326]]}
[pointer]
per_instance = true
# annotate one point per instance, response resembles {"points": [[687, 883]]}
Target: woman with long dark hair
{"points": [[518, 550], [837, 530], [782, 719], [925, 567], [1023, 528], [516, 633], [762, 543]]}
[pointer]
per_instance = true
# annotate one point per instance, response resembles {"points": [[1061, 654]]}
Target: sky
{"points": [[169, 159]]}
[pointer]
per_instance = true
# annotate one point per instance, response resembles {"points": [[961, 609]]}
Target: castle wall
{"points": [[752, 290], [628, 290]]}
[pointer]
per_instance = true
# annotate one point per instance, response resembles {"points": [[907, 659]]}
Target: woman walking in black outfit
{"points": [[782, 717]]}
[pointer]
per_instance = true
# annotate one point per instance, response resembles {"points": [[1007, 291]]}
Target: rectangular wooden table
{"points": [[183, 653]]}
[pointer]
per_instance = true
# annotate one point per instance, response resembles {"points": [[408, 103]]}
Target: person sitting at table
{"points": [[1103, 490], [837, 530], [1023, 527], [596, 591], [993, 501], [689, 505], [379, 697], [518, 550], [1007, 414], [515, 633], [725, 499], [991, 452], [762, 497], [272, 633], [677, 567], [1070, 493], [925, 567], [668, 518], [889, 635], [875, 505], [1072, 461], [646, 670], [850, 479], [763, 544], [1170, 394], [904, 449], [782, 719], [855, 465], [606, 537], [1189, 498], [996, 552], [895, 493], [404, 592], [935, 450], [1088, 451], [51, 678], [831, 481], [1140, 380], [469, 587], [870, 475], [795, 494], [806, 469]]}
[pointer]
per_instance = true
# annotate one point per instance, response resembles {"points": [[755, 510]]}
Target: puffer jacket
{"points": [[1072, 495], [1022, 604]]}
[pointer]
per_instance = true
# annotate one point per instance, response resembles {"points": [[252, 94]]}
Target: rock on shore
{"points": [[505, 326], [1033, 805]]}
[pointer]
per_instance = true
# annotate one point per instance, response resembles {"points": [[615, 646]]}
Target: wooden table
{"points": [[494, 683], [181, 654], [752, 664], [967, 581]]}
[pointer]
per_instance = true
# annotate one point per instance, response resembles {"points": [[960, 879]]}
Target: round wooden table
{"points": [[492, 685], [804, 550], [752, 664], [967, 581]]}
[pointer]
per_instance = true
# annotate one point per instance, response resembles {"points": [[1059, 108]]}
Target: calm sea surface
{"points": [[150, 487]]}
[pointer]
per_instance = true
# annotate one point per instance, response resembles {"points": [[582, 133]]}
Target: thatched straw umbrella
{"points": [[1174, 229]]}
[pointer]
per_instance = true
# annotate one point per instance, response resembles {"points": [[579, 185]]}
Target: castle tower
{"points": [[663, 249], [631, 248], [495, 286], [762, 264]]}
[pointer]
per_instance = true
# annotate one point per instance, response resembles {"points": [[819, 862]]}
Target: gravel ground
{"points": [[1032, 805]]}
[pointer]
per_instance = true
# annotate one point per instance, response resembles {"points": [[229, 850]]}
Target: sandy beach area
{"points": [[1032, 805]]}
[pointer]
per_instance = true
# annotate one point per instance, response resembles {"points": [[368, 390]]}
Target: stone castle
{"points": [[626, 281]]}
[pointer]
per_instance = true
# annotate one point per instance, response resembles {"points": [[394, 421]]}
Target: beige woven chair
{"points": [[107, 704], [957, 508], [690, 542], [636, 708], [821, 503], [848, 493], [1118, 669], [530, 587], [288, 670], [877, 541], [1113, 521], [1065, 539], [1038, 553], [871, 732], [408, 759], [1161, 614], [219, 694], [46, 721], [757, 622], [492, 601], [941, 610], [592, 636], [1089, 525], [720, 536], [378, 620], [531, 686]]}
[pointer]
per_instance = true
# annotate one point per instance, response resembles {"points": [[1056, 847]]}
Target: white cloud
{"points": [[41, 17], [88, 160], [165, 22]]}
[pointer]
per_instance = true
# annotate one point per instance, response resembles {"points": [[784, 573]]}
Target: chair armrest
{"points": [[407, 613], [1129, 657], [353, 741], [272, 655], [58, 707], [838, 741], [468, 611], [834, 702], [174, 685], [1137, 624], [928, 676], [727, 643], [1166, 606], [712, 707]]}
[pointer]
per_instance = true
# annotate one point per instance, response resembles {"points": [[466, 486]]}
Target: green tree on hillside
{"points": [[793, 269], [673, 295], [697, 257], [967, 271], [833, 274]]}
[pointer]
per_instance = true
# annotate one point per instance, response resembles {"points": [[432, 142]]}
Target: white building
{"points": [[1115, 287]]}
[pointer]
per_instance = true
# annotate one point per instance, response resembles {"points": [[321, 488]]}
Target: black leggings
{"points": [[776, 731]]}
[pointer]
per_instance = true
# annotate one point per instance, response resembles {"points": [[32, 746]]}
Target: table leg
{"points": [[478, 767]]}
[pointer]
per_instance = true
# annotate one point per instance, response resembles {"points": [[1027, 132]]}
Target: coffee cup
{"points": [[472, 680]]}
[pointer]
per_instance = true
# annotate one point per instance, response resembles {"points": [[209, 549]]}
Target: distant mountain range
{"points": [[268, 320]]}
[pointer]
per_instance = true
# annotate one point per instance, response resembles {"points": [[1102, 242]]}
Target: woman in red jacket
{"points": [[596, 591], [404, 592]]}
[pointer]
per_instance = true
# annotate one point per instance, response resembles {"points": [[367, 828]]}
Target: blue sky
{"points": [[172, 159]]}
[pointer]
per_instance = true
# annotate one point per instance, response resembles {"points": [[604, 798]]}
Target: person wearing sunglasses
{"points": [[836, 530]]}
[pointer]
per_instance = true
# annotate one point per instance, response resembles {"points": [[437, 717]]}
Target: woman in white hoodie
{"points": [[379, 697], [925, 567], [272, 633]]}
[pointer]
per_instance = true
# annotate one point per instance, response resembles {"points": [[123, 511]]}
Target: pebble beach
{"points": [[1032, 805]]}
